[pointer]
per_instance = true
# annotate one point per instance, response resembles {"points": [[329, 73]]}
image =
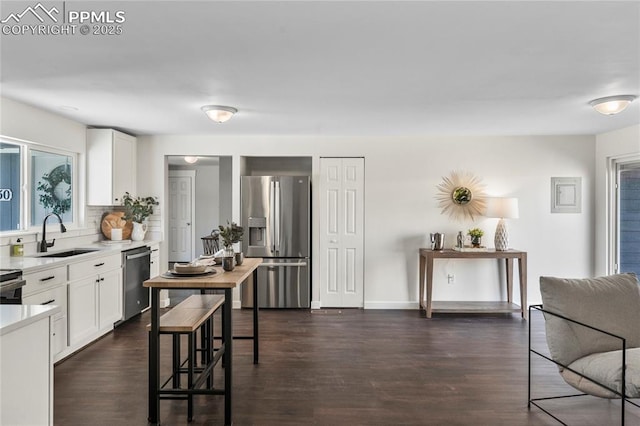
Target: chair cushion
{"points": [[606, 368], [610, 303]]}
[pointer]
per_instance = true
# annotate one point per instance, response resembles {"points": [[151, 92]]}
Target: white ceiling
{"points": [[337, 68]]}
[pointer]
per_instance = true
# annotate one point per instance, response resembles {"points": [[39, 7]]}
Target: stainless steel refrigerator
{"points": [[276, 221]]}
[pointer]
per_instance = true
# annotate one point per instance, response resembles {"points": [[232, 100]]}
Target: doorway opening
{"points": [[200, 199]]}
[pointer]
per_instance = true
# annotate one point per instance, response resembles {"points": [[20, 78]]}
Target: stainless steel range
{"points": [[11, 284]]}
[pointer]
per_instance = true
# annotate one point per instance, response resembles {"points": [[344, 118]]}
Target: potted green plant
{"points": [[136, 210], [231, 234], [476, 236]]}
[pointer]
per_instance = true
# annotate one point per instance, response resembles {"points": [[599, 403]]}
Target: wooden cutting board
{"points": [[112, 220]]}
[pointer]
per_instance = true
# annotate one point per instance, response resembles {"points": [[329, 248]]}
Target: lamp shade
{"points": [[503, 208], [219, 113], [612, 104]]}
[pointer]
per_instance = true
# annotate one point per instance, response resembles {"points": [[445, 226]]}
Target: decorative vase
{"points": [[228, 263], [139, 229], [476, 241], [239, 258]]}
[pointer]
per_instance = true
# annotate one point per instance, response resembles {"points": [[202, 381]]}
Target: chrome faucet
{"points": [[44, 245]]}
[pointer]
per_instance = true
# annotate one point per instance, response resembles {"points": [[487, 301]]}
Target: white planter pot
{"points": [[139, 229]]}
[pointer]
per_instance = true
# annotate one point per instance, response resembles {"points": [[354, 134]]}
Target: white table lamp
{"points": [[503, 208]]}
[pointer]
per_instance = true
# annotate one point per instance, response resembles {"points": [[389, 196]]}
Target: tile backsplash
{"points": [[90, 233]]}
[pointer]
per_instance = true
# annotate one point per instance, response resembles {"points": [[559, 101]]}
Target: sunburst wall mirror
{"points": [[461, 195]]}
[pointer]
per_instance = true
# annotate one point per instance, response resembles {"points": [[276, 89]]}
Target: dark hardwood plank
{"points": [[334, 367]]}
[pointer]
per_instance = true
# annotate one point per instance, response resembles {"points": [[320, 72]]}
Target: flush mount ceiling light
{"points": [[190, 160], [612, 104], [219, 113]]}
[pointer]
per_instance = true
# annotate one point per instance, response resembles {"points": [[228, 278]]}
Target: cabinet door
{"points": [[82, 303], [58, 336], [154, 264], [110, 296], [124, 159]]}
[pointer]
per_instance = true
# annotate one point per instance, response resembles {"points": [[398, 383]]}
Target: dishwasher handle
{"points": [[136, 256]]}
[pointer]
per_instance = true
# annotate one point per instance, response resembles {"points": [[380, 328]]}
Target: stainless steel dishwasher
{"points": [[135, 271]]}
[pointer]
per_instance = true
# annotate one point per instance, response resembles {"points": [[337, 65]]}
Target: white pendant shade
{"points": [[612, 104], [219, 113]]}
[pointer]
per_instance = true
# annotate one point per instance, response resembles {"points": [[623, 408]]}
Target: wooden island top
{"points": [[221, 279]]}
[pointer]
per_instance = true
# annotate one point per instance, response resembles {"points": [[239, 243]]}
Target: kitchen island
{"points": [[26, 370], [226, 280]]}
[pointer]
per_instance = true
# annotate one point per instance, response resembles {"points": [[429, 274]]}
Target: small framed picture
{"points": [[566, 195]]}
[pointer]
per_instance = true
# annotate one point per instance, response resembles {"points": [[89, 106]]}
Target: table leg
{"points": [[255, 316], [421, 282], [429, 263], [509, 271], [522, 272], [154, 358], [227, 337]]}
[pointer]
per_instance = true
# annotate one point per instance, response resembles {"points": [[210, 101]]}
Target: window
{"points": [[35, 181], [51, 186], [10, 184], [628, 217]]}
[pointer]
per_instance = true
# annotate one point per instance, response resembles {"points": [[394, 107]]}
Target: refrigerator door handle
{"points": [[277, 265], [277, 216], [272, 190]]}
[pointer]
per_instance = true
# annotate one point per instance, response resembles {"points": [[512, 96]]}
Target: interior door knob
{"points": [[188, 223]]}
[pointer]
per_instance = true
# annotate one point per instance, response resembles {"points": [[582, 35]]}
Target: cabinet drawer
{"points": [[54, 296], [38, 281], [94, 266]]}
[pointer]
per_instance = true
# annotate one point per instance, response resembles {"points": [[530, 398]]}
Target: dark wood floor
{"points": [[349, 367]]}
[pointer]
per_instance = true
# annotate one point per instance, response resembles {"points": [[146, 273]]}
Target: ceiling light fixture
{"points": [[612, 104], [190, 160], [219, 113]]}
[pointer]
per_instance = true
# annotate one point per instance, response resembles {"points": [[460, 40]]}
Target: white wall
{"points": [[35, 125], [400, 209], [612, 145]]}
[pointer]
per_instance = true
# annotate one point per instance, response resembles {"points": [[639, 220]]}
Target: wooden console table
{"points": [[426, 282]]}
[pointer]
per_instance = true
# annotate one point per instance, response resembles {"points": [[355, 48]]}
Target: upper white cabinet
{"points": [[111, 166]]}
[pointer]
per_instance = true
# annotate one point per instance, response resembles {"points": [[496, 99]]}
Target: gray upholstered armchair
{"points": [[593, 330]]}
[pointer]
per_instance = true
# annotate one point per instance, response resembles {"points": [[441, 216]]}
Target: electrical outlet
{"points": [[451, 279]]}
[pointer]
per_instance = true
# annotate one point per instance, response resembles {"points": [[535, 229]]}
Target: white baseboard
{"points": [[237, 304], [317, 304], [391, 305], [164, 303]]}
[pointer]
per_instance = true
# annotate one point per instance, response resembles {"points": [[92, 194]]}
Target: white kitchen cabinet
{"points": [[154, 266], [26, 370], [55, 296], [111, 166], [109, 299], [95, 298], [83, 310]]}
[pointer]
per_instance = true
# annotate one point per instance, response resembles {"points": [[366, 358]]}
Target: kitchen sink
{"points": [[67, 253]]}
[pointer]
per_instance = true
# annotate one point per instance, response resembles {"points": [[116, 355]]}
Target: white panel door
{"points": [[342, 232], [181, 218]]}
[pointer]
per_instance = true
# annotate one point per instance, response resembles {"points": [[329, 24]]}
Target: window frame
{"points": [[613, 211], [26, 184]]}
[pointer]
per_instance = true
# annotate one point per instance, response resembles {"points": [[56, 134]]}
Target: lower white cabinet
{"points": [[54, 296], [83, 312], [154, 266], [26, 375], [109, 299], [95, 299]]}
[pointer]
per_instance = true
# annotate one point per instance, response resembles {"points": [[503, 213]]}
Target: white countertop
{"points": [[33, 263], [14, 317]]}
